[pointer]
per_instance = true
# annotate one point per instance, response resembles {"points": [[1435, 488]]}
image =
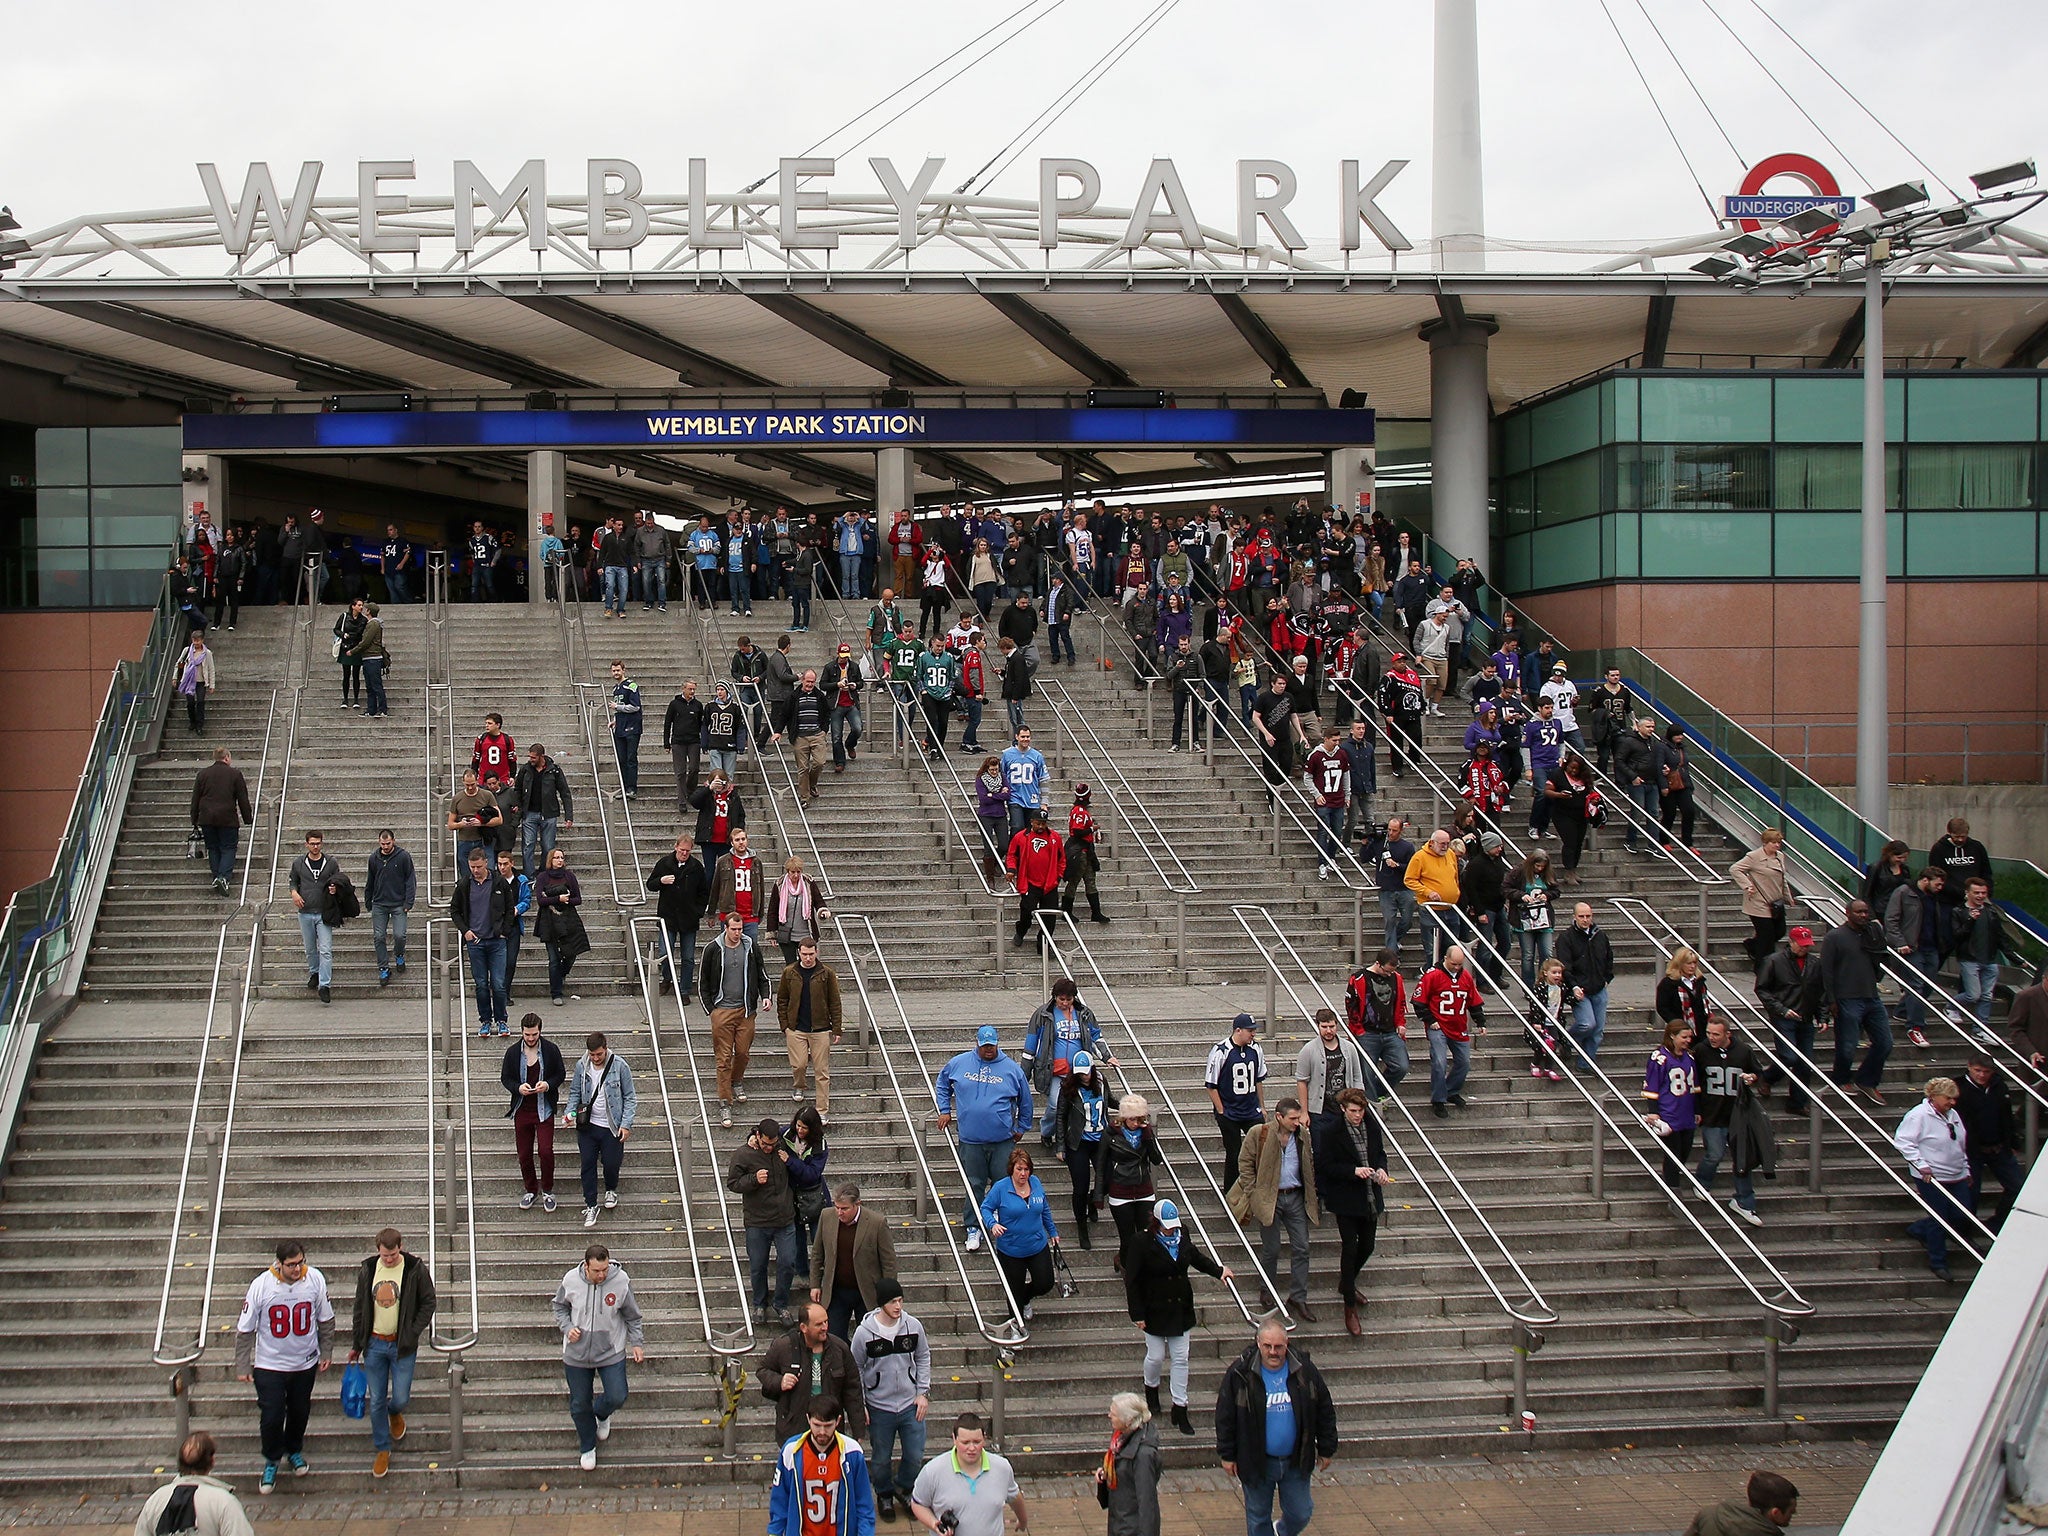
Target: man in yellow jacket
{"points": [[1433, 877]]}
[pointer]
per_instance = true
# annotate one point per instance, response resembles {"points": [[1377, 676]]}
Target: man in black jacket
{"points": [[220, 809], [1989, 1132], [1788, 986], [481, 910], [1726, 1064], [1588, 961], [1275, 1424], [541, 793], [1851, 958], [389, 886], [682, 733], [682, 893], [394, 1305]]}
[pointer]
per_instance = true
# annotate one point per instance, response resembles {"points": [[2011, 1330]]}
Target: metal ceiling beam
{"points": [[690, 365], [844, 336], [1657, 330], [2030, 352], [222, 346], [1848, 341], [1260, 338], [1059, 341], [426, 341], [709, 479], [953, 467], [66, 362]]}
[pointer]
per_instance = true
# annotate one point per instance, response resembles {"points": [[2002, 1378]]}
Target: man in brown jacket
{"points": [[220, 809], [807, 1002], [1276, 1185], [808, 1363], [849, 1258], [2028, 1023]]}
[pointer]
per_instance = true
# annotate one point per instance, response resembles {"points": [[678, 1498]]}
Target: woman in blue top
{"points": [[1019, 1217], [1672, 1083], [1077, 1129], [804, 1141]]}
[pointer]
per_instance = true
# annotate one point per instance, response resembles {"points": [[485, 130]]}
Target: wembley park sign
{"points": [[796, 214]]}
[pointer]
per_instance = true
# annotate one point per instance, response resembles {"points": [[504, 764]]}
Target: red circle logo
{"points": [[611, 1298], [1819, 180]]}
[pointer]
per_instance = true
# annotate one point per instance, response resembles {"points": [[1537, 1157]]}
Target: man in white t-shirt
{"points": [[284, 1340]]}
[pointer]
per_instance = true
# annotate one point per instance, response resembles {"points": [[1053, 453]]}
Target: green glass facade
{"points": [[88, 515], [1705, 476]]}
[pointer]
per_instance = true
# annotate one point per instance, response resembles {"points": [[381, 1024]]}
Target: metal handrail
{"points": [[440, 666], [913, 1118], [1541, 1314], [1798, 1305], [256, 799], [453, 1002], [1044, 919], [629, 894], [568, 602], [1769, 1042], [738, 1341], [1951, 1010], [301, 644], [1435, 777], [440, 838], [227, 1135], [1103, 766]]}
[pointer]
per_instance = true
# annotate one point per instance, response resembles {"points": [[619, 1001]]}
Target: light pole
{"points": [[1899, 227]]}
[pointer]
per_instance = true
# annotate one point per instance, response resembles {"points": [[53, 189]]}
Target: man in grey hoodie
{"points": [[895, 1360], [601, 1328]]}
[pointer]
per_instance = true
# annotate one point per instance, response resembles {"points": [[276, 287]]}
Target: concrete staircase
{"points": [[1656, 1341]]}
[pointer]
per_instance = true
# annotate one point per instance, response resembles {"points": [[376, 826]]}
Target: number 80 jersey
{"points": [[286, 1319]]}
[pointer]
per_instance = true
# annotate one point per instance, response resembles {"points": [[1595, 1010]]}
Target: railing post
{"points": [[455, 1375], [447, 1007], [1272, 1001], [1813, 1143], [183, 1379], [732, 1418], [1358, 930], [1150, 689], [1521, 1349], [1044, 959], [448, 1174], [924, 1188], [1209, 742], [1599, 1157], [1703, 920], [1771, 1367], [683, 1151], [1273, 793], [997, 1398], [863, 1022], [2033, 1128], [997, 962], [1180, 938]]}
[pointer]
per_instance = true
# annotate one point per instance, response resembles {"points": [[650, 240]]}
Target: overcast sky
{"points": [[111, 104]]}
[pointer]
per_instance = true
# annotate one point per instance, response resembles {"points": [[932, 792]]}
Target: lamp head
{"points": [[1891, 199], [2003, 175]]}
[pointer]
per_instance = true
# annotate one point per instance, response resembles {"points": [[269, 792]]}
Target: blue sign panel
{"points": [[1776, 207], [820, 427]]}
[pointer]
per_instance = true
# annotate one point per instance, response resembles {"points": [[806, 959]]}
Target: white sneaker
{"points": [[974, 1241], [604, 1428], [590, 1216], [1322, 871], [739, 1094], [1027, 1311], [588, 1461], [1749, 1216], [611, 1199]]}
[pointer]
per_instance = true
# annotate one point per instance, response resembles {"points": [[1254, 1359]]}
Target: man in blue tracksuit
{"points": [[987, 1093], [1059, 1031]]}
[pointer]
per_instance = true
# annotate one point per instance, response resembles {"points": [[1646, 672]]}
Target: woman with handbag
{"points": [[370, 656], [559, 926], [1570, 793], [194, 671], [795, 909], [804, 1141], [348, 634], [1671, 768], [1161, 1300], [1765, 895], [1351, 1171], [1127, 1482]]}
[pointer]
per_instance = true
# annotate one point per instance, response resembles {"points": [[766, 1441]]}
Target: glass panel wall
{"points": [[91, 523]]}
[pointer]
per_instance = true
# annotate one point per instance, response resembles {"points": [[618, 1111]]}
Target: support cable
{"points": [[1700, 96], [1836, 81], [1712, 212], [1785, 91], [1061, 104]]}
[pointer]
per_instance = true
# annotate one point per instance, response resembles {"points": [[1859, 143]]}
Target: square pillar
{"points": [[1348, 474], [205, 489], [895, 474], [547, 511]]}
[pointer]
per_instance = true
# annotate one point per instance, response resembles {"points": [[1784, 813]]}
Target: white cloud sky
{"points": [[110, 105]]}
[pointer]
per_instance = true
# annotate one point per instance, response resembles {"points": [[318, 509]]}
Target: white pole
{"points": [[1873, 690], [1457, 200]]}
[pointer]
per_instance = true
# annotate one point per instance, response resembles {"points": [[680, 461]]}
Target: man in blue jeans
{"points": [[1935, 1146], [313, 875], [1850, 957], [394, 1306], [601, 1329], [988, 1094], [1275, 1425], [1588, 961], [601, 1105], [481, 909], [759, 1176]]}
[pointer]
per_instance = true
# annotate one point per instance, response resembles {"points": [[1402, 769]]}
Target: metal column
{"points": [[1460, 434], [1873, 687], [895, 474], [547, 511]]}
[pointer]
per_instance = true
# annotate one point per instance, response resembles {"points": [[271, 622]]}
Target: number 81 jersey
{"points": [[286, 1316]]}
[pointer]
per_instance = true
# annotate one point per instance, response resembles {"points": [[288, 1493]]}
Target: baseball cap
{"points": [[1800, 935], [1168, 1214], [987, 1035], [845, 649], [1245, 1021], [1081, 1064]]}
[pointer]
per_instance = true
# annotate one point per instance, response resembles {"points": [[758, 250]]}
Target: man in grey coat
{"points": [[601, 1328], [215, 1509]]}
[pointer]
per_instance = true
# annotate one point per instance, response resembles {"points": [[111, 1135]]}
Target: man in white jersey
{"points": [[283, 1342]]}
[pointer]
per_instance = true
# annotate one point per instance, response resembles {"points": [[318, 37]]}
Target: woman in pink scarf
{"points": [[795, 909]]}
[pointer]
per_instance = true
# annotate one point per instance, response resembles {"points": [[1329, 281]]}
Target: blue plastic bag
{"points": [[355, 1391]]}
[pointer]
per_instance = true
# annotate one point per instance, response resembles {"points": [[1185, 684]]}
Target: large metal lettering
{"points": [[528, 192]]}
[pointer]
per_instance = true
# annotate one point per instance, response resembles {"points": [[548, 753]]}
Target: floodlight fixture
{"points": [[1749, 244], [1891, 199], [1955, 214], [1810, 222], [1716, 266], [2003, 176]]}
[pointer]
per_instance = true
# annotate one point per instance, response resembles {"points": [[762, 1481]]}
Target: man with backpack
{"points": [[195, 1500]]}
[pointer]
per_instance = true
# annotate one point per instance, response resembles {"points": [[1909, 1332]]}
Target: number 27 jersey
{"points": [[286, 1319]]}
